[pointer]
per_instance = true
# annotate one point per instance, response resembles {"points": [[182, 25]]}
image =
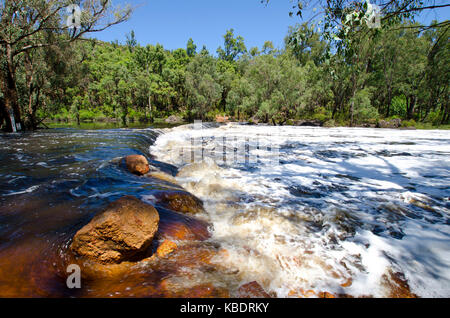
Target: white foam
{"points": [[338, 206]]}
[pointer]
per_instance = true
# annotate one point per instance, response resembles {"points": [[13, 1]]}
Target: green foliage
{"points": [[409, 123], [357, 79], [364, 111], [233, 47], [398, 107], [202, 86]]}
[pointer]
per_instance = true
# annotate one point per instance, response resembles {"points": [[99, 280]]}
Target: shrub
{"points": [[329, 123], [409, 123], [364, 112], [398, 106]]}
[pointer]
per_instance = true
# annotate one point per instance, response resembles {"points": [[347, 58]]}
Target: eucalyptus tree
{"points": [[28, 25], [233, 47], [202, 85], [191, 48]]}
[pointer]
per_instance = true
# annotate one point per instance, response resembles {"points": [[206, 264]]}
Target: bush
{"points": [[434, 118], [329, 123], [409, 123], [398, 106], [321, 114], [364, 112], [63, 115], [87, 115]]}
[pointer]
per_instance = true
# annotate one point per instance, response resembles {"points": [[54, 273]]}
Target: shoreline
{"points": [[113, 125]]}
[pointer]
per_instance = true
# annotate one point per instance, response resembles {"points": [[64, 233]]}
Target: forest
{"points": [[357, 77]]}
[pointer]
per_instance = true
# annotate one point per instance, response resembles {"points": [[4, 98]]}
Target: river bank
{"points": [[176, 121]]}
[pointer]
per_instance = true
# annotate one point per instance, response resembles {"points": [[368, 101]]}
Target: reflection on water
{"points": [[356, 212]]}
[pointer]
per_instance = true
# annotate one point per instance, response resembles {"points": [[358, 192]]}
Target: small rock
{"points": [[166, 248], [222, 119], [393, 123], [173, 120], [326, 295], [125, 228], [137, 164]]}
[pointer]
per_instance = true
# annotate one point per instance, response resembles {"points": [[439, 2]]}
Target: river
{"points": [[297, 209]]}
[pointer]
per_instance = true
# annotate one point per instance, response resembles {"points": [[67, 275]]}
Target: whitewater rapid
{"points": [[322, 209]]}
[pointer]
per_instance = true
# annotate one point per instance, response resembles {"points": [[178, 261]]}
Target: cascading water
{"points": [[322, 209]]}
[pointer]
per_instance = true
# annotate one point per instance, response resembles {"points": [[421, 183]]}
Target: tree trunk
{"points": [[389, 101], [9, 89], [352, 104], [3, 115], [410, 106], [150, 108]]}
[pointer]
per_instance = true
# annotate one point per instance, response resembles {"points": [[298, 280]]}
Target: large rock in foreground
{"points": [[137, 164], [117, 234]]}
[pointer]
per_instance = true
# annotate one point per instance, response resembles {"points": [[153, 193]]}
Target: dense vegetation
{"points": [[399, 71]]}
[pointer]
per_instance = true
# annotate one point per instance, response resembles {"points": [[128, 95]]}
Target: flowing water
{"points": [[341, 210]]}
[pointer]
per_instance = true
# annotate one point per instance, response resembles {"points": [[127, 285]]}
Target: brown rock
{"points": [[252, 290], [302, 293], [166, 248], [180, 201], [326, 295], [206, 290], [222, 119], [397, 285], [137, 164], [347, 283], [124, 229], [187, 229]]}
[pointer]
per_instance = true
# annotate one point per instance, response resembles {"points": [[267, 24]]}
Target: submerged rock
{"points": [[185, 228], [397, 285], [180, 201], [252, 290], [137, 164], [161, 176], [166, 248], [125, 228]]}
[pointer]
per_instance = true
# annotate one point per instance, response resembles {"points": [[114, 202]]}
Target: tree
{"points": [[202, 86], [233, 47], [131, 41], [28, 25], [191, 48], [306, 44], [333, 12]]}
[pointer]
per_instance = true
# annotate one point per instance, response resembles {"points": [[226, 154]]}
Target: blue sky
{"points": [[172, 22]]}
